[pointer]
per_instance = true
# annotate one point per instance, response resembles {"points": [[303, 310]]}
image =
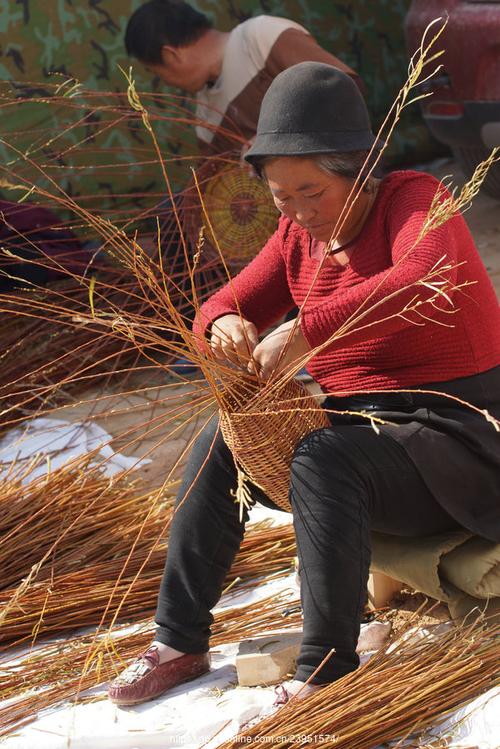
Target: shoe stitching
{"points": [[146, 662]]}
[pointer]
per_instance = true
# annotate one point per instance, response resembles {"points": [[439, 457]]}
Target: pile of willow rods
{"points": [[77, 333], [392, 696], [70, 518], [128, 583], [59, 672], [77, 546], [45, 347]]}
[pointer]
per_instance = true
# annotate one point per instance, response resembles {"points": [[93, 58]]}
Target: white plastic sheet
{"points": [[59, 442]]}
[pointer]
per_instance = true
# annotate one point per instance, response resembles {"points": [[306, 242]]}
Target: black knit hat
{"points": [[311, 108]]}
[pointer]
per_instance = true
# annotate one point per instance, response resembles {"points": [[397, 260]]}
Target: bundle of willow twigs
{"points": [[126, 586], [43, 343], [392, 696], [53, 341], [77, 546], [70, 518], [59, 672]]}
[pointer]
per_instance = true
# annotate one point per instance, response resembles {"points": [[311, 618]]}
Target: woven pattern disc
{"points": [[241, 211]]}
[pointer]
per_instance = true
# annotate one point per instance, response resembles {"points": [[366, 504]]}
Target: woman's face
{"points": [[308, 195]]}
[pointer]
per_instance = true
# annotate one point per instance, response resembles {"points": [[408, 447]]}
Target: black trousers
{"points": [[344, 481]]}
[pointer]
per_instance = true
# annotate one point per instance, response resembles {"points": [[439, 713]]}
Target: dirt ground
{"points": [[139, 422]]}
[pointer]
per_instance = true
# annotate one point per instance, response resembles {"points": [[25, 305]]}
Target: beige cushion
{"points": [[474, 567], [457, 568]]}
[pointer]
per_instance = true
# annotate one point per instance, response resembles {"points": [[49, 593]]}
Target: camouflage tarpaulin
{"points": [[43, 42]]}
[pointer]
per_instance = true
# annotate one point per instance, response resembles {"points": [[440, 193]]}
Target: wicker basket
{"points": [[262, 433]]}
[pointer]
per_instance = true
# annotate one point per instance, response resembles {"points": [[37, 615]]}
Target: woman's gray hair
{"points": [[348, 164]]}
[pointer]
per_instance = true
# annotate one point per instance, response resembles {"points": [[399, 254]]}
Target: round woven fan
{"points": [[240, 209]]}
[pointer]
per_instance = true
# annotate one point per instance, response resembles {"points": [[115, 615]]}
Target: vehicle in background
{"points": [[464, 110]]}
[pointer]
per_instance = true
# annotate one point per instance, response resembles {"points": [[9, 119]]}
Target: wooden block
{"points": [[266, 660], [382, 589]]}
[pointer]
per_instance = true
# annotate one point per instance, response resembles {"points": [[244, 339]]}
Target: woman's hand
{"points": [[233, 339], [267, 356]]}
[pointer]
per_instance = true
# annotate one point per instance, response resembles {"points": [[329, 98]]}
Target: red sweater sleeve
{"points": [[261, 289], [410, 263]]}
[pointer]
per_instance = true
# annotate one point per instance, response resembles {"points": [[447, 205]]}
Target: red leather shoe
{"points": [[147, 678]]}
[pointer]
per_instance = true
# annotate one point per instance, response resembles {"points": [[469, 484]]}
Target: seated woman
{"points": [[434, 467]]}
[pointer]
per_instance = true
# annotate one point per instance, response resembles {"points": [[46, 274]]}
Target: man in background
{"points": [[228, 72]]}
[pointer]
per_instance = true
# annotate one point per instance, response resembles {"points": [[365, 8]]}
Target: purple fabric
{"points": [[37, 234]]}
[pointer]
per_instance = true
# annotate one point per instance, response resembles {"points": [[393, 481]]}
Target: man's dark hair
{"points": [[160, 22]]}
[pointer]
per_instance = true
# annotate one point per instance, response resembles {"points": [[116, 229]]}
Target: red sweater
{"points": [[390, 353]]}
